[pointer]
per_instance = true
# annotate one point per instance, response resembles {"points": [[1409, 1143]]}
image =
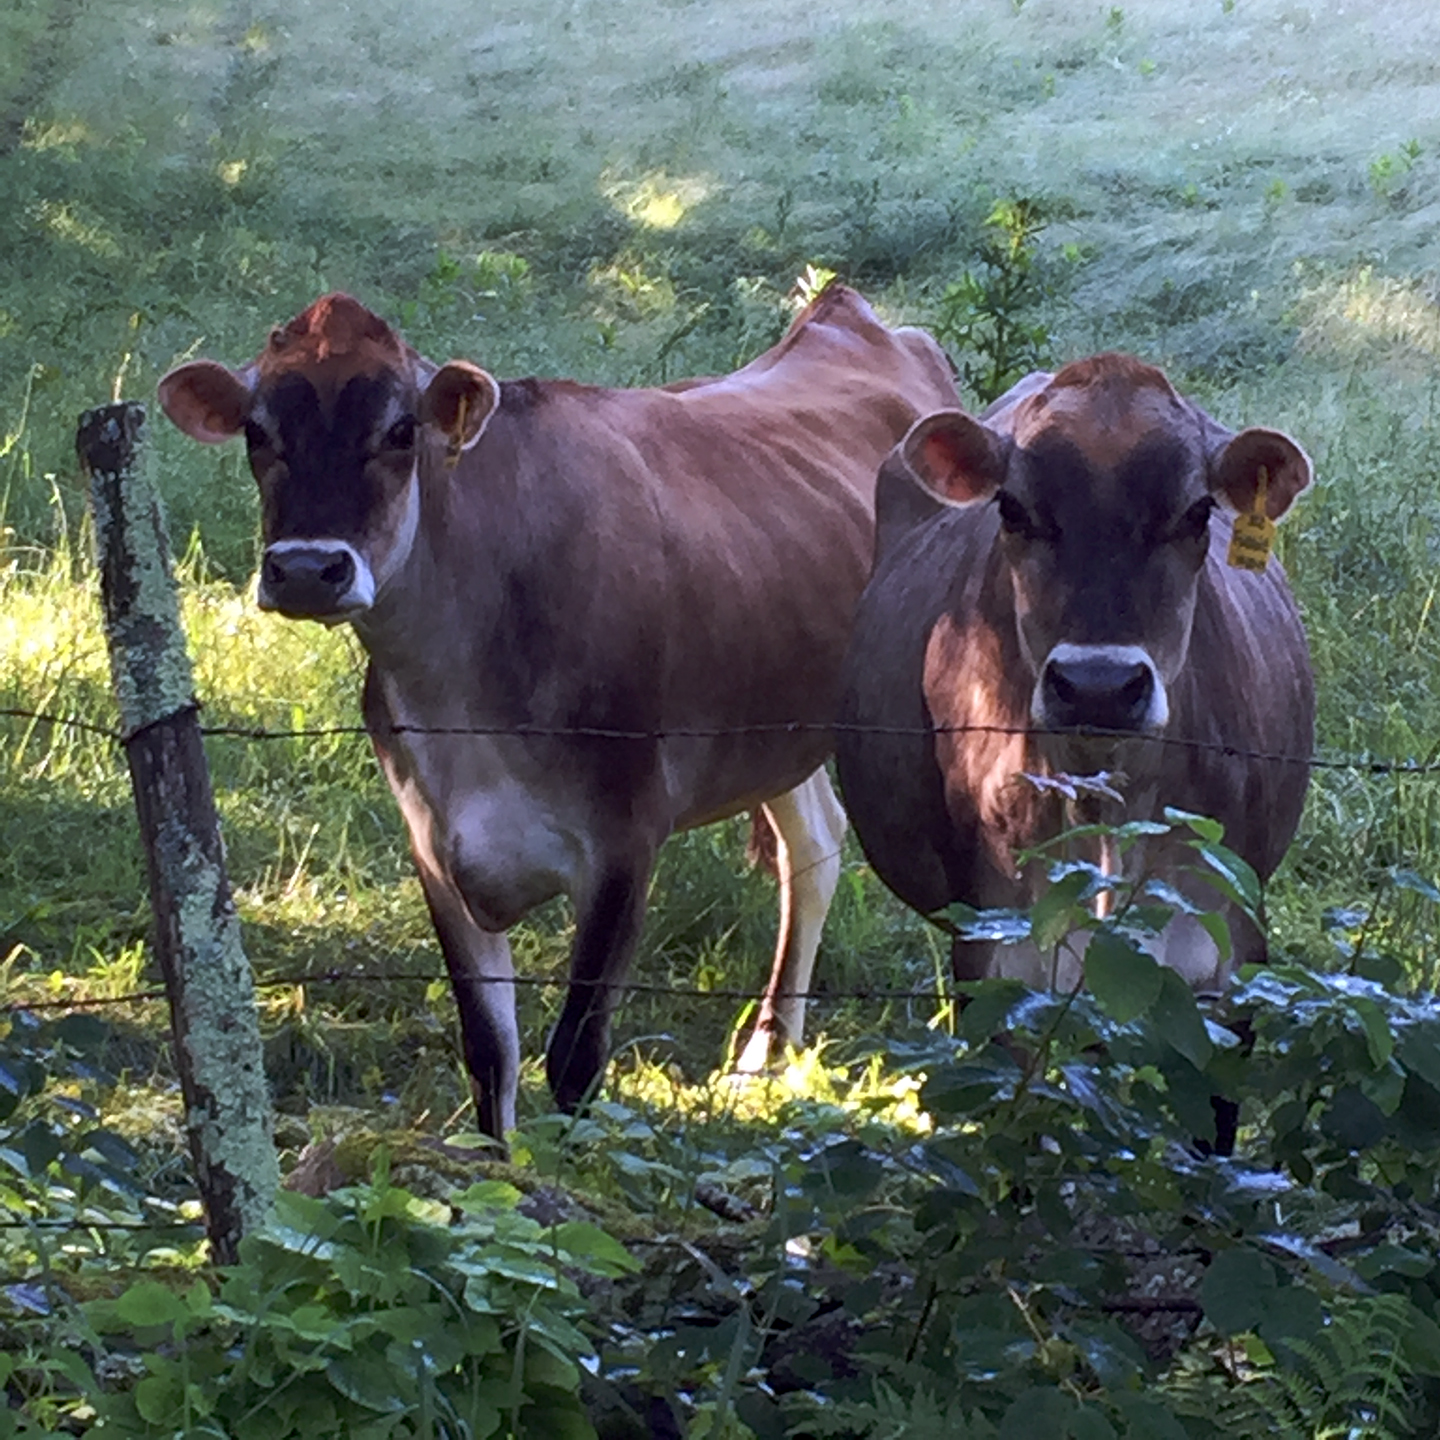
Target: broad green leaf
{"points": [[1218, 929], [1353, 1119], [1005, 927], [1165, 892], [1292, 1312], [1230, 875], [1178, 1020], [593, 1248], [1088, 1423], [544, 1367], [1146, 1418], [157, 1397], [556, 1423], [1378, 1039], [362, 1377], [1109, 1351], [150, 1303], [82, 1031], [1419, 1050], [1237, 1290], [1211, 831], [1056, 913], [1123, 979], [987, 1009], [1415, 1264], [1422, 1344], [1040, 1410]]}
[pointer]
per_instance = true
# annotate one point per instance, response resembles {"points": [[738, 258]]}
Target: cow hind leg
{"points": [[609, 912], [482, 976], [809, 827]]}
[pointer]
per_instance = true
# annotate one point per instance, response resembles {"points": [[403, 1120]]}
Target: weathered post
{"points": [[197, 932]]}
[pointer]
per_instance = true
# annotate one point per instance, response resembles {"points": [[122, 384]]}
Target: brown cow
{"points": [[535, 564], [1092, 594]]}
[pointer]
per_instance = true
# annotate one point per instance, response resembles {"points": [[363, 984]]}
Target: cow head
{"points": [[338, 414], [1104, 479]]}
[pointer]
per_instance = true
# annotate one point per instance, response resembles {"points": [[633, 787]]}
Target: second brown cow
{"points": [[1052, 595]]}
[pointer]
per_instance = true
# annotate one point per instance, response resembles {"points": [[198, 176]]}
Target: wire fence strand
{"points": [[1365, 763]]}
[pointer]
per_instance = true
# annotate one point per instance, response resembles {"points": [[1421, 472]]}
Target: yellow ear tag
{"points": [[457, 435], [1254, 535]]}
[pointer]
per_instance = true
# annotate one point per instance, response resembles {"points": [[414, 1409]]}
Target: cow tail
{"points": [[763, 850]]}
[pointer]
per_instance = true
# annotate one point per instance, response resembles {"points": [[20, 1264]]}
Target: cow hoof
{"points": [[754, 1059]]}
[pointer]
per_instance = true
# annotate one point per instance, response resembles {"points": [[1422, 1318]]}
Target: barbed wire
{"points": [[1365, 763]]}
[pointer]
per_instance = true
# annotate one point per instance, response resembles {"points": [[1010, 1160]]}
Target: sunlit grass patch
{"points": [[1363, 313]]}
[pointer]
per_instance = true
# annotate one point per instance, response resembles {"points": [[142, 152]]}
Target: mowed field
{"points": [[1244, 191]]}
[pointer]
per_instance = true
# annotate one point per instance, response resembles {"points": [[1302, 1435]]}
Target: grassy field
{"points": [[1246, 191]]}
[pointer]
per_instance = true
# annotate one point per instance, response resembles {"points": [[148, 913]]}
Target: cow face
{"points": [[338, 414], [1104, 480]]}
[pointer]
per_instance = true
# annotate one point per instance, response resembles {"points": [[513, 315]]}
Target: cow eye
{"points": [[256, 438], [1194, 524], [401, 435], [1014, 516]]}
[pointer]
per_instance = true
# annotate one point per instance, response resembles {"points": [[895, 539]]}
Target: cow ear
{"points": [[1235, 470], [209, 402], [955, 457], [459, 401]]}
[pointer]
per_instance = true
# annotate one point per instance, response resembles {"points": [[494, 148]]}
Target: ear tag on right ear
{"points": [[457, 435], [1254, 535]]}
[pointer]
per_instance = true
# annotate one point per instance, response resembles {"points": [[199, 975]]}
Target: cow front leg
{"points": [[609, 913], [809, 826], [482, 976]]}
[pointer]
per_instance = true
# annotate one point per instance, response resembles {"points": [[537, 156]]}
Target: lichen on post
{"points": [[197, 932]]}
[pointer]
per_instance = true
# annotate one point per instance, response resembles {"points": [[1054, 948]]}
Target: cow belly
{"points": [[1184, 946], [502, 850], [705, 782]]}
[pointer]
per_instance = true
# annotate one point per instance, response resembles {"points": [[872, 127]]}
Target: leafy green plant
{"points": [[79, 1204], [368, 1313], [1388, 169], [991, 314]]}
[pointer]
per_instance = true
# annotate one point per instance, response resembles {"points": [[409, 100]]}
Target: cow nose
{"points": [[307, 581], [1098, 691]]}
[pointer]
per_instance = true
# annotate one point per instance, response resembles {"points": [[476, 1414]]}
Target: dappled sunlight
{"points": [[628, 288], [1360, 310], [657, 200], [56, 134], [63, 222], [806, 1078]]}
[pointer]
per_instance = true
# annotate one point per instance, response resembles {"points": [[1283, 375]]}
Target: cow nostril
{"points": [[339, 572], [1136, 691], [1060, 686], [272, 571], [1097, 689]]}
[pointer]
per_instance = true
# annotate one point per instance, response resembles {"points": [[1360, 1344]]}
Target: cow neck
{"points": [[433, 622], [412, 624]]}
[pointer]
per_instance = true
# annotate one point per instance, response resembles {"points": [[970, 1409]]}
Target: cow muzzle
{"points": [[315, 580], [1100, 687]]}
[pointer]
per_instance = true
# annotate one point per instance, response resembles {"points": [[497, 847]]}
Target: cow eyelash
{"points": [[1016, 519], [401, 435]]}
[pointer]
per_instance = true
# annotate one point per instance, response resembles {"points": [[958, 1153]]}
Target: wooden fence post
{"points": [[197, 932]]}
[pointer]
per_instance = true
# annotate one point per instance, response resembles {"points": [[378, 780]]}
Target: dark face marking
{"points": [[1105, 555], [330, 471], [1100, 554]]}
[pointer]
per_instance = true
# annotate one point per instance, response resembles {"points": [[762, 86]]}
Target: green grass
{"points": [[625, 193]]}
